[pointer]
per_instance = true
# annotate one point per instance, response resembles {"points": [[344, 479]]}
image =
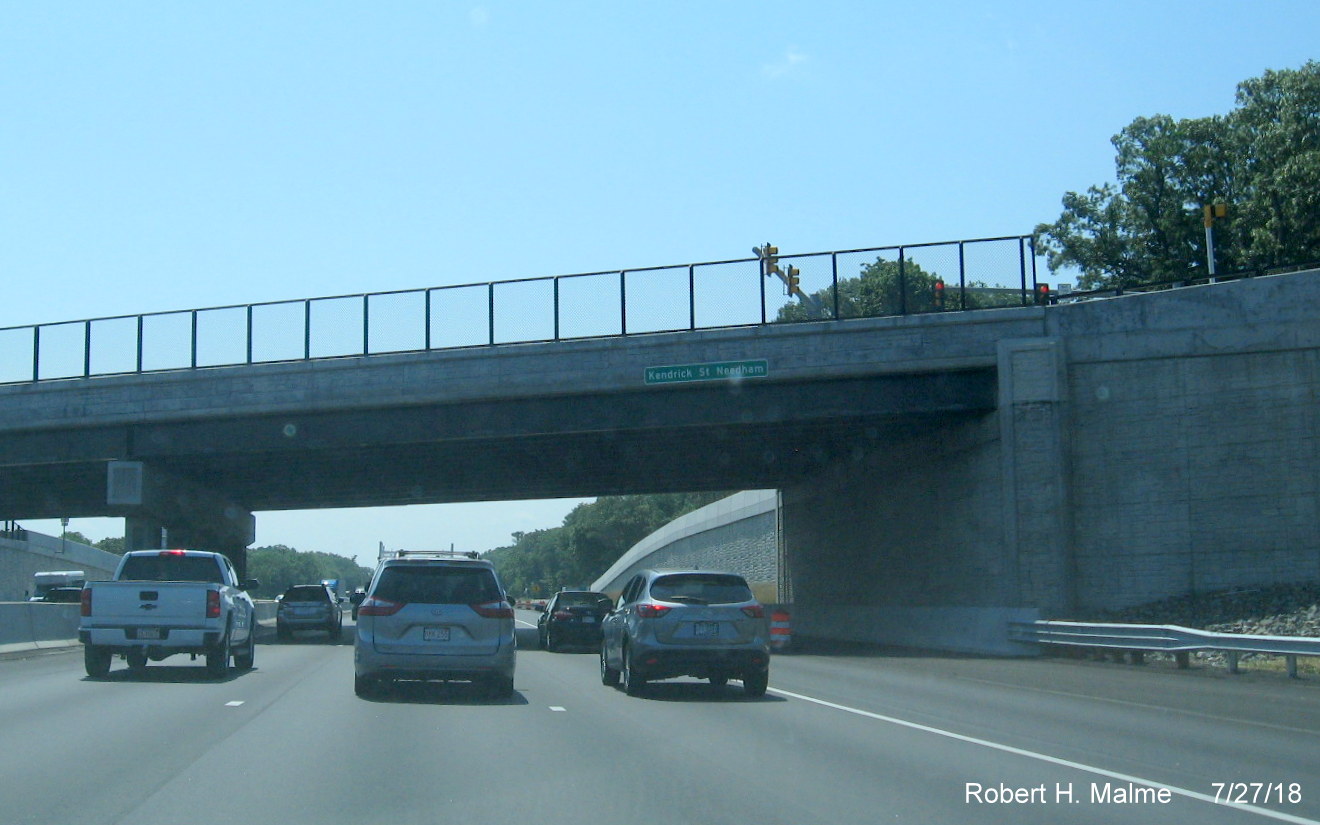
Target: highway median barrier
{"points": [[27, 626]]}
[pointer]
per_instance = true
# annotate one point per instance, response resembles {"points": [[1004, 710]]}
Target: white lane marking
{"points": [[1053, 760], [525, 624], [232, 704], [557, 709]]}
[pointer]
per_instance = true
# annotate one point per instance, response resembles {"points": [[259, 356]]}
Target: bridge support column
{"points": [[1036, 517], [144, 533], [155, 501]]}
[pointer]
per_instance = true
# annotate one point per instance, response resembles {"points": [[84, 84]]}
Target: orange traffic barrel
{"points": [[781, 629]]}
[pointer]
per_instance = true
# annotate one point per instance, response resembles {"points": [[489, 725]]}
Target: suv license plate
{"points": [[435, 634], [705, 630]]}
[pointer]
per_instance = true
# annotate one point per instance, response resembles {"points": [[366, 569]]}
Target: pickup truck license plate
{"points": [[148, 633], [705, 630], [435, 634]]}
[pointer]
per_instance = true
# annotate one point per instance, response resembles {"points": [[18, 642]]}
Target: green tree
{"points": [[279, 566], [593, 536], [883, 288], [1262, 160], [113, 544]]}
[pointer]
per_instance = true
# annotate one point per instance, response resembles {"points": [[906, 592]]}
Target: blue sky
{"points": [[158, 156]]}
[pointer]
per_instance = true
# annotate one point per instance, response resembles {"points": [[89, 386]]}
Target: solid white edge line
{"points": [[1054, 760]]}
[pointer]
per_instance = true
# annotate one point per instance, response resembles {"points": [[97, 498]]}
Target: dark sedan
{"points": [[573, 617]]}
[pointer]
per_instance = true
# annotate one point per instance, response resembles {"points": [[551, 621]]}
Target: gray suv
{"points": [[309, 607], [686, 623], [434, 617]]}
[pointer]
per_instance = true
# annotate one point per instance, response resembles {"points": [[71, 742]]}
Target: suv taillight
{"points": [[652, 611], [213, 604], [493, 610], [379, 607], [754, 611], [561, 615], [86, 602]]}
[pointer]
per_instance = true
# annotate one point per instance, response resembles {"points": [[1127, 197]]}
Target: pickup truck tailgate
{"points": [[168, 604]]}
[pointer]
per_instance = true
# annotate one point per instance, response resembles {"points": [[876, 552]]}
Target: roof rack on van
{"points": [[445, 554]]}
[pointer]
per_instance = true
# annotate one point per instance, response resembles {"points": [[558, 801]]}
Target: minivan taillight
{"points": [[493, 610], [754, 611], [652, 611], [379, 607], [213, 604], [86, 599]]}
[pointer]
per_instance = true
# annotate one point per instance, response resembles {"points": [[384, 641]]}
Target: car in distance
{"points": [[573, 617], [63, 595], [435, 616], [698, 623], [309, 607]]}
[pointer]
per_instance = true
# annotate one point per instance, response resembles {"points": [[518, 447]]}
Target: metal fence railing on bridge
{"points": [[880, 281]]}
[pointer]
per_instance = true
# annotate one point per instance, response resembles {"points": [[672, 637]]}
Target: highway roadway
{"points": [[842, 737]]}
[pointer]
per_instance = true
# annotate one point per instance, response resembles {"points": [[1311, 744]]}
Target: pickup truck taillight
{"points": [[213, 604], [86, 600]]}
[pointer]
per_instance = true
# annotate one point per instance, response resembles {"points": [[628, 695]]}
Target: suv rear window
{"points": [[436, 584], [582, 600], [306, 593], [701, 588]]}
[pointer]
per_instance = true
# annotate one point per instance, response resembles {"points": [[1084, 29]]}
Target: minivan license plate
{"points": [[705, 630], [435, 634]]}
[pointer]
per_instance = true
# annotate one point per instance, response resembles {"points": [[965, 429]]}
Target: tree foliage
{"points": [[1262, 160], [278, 566], [592, 537], [884, 288]]}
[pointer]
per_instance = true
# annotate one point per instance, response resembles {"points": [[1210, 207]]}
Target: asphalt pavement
{"points": [[851, 735]]}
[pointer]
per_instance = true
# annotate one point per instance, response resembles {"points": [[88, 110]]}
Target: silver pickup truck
{"points": [[163, 602]]}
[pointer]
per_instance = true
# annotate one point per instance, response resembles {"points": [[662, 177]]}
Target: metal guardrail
{"points": [[1181, 641]]}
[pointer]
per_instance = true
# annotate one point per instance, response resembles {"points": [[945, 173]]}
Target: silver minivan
{"points": [[698, 623], [434, 617]]}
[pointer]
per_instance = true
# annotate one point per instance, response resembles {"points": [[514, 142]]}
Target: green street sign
{"points": [[716, 371]]}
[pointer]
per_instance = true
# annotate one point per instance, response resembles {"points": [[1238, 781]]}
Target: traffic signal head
{"points": [[939, 293], [792, 280], [1214, 210], [771, 258], [1042, 293]]}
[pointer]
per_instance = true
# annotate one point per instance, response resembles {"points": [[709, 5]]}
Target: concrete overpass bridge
{"points": [[1057, 457]]}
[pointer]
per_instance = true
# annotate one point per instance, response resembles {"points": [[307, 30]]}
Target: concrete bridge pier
{"points": [[940, 537], [161, 509]]}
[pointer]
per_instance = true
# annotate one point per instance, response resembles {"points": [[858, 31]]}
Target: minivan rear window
{"points": [[433, 584], [701, 588]]}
